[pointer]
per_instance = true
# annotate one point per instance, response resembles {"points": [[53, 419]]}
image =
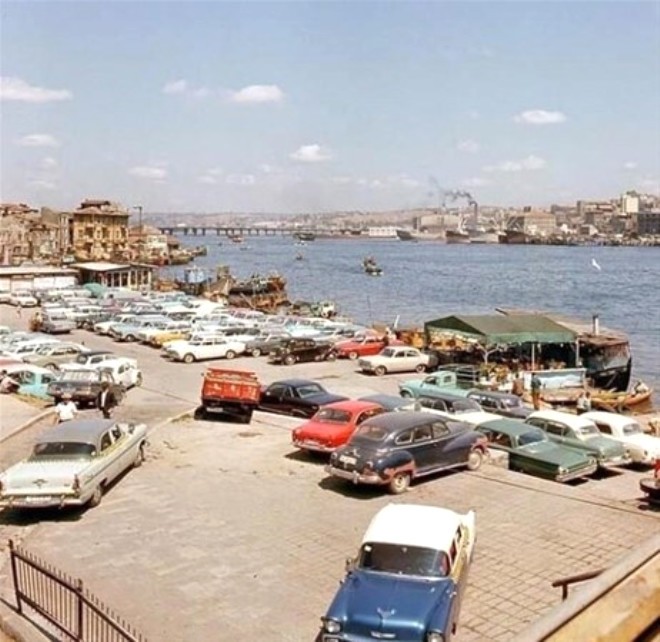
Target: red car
{"points": [[333, 425], [365, 346]]}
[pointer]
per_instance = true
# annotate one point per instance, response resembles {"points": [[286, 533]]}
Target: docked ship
{"points": [[417, 235], [459, 235], [304, 236], [513, 237], [482, 235]]}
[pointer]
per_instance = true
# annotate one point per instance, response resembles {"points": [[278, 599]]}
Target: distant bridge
{"points": [[230, 230]]}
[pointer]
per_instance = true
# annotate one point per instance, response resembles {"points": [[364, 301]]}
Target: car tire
{"points": [[289, 360], [96, 497], [399, 483], [380, 371], [331, 356], [138, 380], [475, 459], [406, 394], [230, 354], [352, 355], [52, 367], [420, 368], [139, 457], [188, 358], [130, 338], [256, 352]]}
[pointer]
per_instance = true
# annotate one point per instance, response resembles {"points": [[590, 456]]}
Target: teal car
{"points": [[439, 382], [31, 380], [531, 451]]}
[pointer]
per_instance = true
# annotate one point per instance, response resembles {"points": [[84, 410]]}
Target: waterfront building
{"points": [[532, 222], [24, 236], [647, 222], [99, 230], [36, 277], [114, 275], [382, 232]]}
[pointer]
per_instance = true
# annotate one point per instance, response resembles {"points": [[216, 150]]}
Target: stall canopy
{"points": [[496, 329]]}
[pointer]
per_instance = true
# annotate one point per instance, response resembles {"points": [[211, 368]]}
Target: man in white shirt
{"points": [[66, 410]]}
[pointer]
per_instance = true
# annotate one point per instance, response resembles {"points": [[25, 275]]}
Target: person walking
{"points": [[106, 400], [66, 410], [536, 392], [584, 402]]}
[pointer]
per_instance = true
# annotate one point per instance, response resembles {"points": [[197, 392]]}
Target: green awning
{"points": [[499, 329]]}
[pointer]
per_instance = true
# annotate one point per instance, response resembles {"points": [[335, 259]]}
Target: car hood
{"points": [[35, 476], [555, 454], [323, 398], [391, 604], [518, 412], [605, 445], [647, 442], [412, 383]]}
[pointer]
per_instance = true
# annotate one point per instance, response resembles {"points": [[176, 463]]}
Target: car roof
{"points": [[445, 396], [492, 394], [386, 401], [11, 368], [77, 430], [508, 426], [392, 421], [295, 382], [93, 353], [353, 405], [573, 421], [609, 417], [414, 525]]}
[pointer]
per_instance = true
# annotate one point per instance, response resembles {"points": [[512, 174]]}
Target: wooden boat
{"points": [[371, 267], [615, 401]]}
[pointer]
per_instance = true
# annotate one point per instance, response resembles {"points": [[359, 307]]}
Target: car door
{"points": [[273, 397], [411, 359], [437, 453]]}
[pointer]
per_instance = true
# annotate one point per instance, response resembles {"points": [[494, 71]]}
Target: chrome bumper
{"points": [[355, 476], [576, 474]]}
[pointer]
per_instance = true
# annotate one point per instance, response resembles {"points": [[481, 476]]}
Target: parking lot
{"points": [[227, 533]]}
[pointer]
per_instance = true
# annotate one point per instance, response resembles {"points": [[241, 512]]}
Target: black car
{"points": [[501, 403], [265, 343], [296, 397], [83, 386], [396, 447], [391, 403], [295, 350]]}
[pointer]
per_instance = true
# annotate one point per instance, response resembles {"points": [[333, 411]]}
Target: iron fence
{"points": [[65, 602]]}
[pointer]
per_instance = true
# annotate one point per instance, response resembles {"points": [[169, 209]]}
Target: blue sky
{"points": [[296, 107]]}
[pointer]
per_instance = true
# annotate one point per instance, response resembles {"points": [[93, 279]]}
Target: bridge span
{"points": [[231, 230]]}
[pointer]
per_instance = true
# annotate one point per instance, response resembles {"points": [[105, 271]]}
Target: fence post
{"points": [[79, 610], [14, 573]]}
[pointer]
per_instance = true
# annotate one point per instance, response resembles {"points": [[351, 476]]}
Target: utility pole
{"points": [[139, 209]]}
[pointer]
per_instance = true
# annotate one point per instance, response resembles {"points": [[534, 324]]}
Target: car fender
{"points": [[440, 619], [400, 462]]}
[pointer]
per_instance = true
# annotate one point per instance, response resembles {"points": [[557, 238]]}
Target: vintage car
{"points": [[297, 350], [265, 343], [501, 403], [390, 403], [531, 451], [73, 464], [444, 404], [88, 359], [23, 299], [159, 339], [575, 432], [146, 334], [57, 325], [437, 382], [643, 449], [395, 359], [296, 397], [32, 380], [394, 448], [123, 371], [209, 348], [83, 385], [408, 580], [362, 346], [52, 356], [129, 331], [333, 425]]}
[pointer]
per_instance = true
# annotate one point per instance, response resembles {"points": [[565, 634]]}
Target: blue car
{"points": [[408, 580]]}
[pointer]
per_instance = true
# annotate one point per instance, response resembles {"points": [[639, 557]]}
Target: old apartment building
{"points": [[98, 230]]}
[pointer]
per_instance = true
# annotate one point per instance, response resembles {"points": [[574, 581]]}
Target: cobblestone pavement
{"points": [[227, 534]]}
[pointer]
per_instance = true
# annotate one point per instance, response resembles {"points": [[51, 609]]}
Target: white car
{"points": [[124, 371], [73, 464], [642, 448], [103, 327], [213, 348], [395, 359], [23, 299], [90, 359]]}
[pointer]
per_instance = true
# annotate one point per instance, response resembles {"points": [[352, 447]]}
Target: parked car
{"points": [[531, 451], [297, 350], [83, 385], [91, 358], [643, 449], [52, 356], [395, 359], [73, 464], [123, 371], [394, 448], [265, 343], [408, 579], [57, 325], [159, 339], [296, 397], [362, 346], [390, 403], [501, 403], [445, 404], [24, 299], [130, 330], [199, 349], [32, 380], [439, 382], [333, 425], [576, 432]]}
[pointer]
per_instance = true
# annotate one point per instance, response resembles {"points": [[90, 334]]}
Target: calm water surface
{"points": [[424, 281]]}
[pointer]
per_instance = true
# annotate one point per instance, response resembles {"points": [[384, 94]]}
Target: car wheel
{"points": [[188, 358], [51, 366], [289, 360], [380, 371], [475, 459], [331, 356], [406, 394], [139, 457], [256, 352], [352, 355], [138, 379], [96, 497], [230, 354], [399, 483], [420, 367], [130, 338]]}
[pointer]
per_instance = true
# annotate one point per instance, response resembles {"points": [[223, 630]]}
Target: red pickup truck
{"points": [[232, 392]]}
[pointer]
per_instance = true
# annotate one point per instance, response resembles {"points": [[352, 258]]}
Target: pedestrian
{"points": [[536, 392], [106, 400], [19, 310], [66, 410], [584, 402]]}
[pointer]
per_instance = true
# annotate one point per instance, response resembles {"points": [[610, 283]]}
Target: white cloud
{"points": [[149, 172], [175, 87], [48, 163], [38, 140], [255, 94], [201, 92], [475, 181], [12, 88], [310, 154], [43, 184], [526, 164], [540, 117], [630, 165], [468, 146], [240, 179], [649, 185]]}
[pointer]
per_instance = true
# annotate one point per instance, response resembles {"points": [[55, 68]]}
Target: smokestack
{"points": [[595, 325]]}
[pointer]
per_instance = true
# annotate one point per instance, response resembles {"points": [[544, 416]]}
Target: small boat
{"points": [[299, 257], [235, 238], [616, 401], [371, 267]]}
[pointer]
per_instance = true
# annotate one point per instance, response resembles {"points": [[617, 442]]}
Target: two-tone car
{"points": [[575, 432], [408, 579], [73, 464], [395, 448]]}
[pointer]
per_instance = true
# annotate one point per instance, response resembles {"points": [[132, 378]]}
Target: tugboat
{"points": [[371, 267]]}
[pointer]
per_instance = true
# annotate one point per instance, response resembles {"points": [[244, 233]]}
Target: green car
{"points": [[531, 451]]}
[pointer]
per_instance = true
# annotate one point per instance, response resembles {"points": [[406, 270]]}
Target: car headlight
{"points": [[435, 636], [331, 626], [562, 470]]}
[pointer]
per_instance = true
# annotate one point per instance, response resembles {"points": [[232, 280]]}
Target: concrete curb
{"points": [[28, 423]]}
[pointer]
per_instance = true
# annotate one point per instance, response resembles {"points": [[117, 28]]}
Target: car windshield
{"points": [[632, 428], [588, 430], [403, 560], [371, 433], [309, 389], [62, 449], [532, 436], [388, 352], [332, 415]]}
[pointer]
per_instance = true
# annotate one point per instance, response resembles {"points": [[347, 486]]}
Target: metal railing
{"points": [[64, 602]]}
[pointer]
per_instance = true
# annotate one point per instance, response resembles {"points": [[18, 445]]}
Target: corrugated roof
{"points": [[34, 269]]}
